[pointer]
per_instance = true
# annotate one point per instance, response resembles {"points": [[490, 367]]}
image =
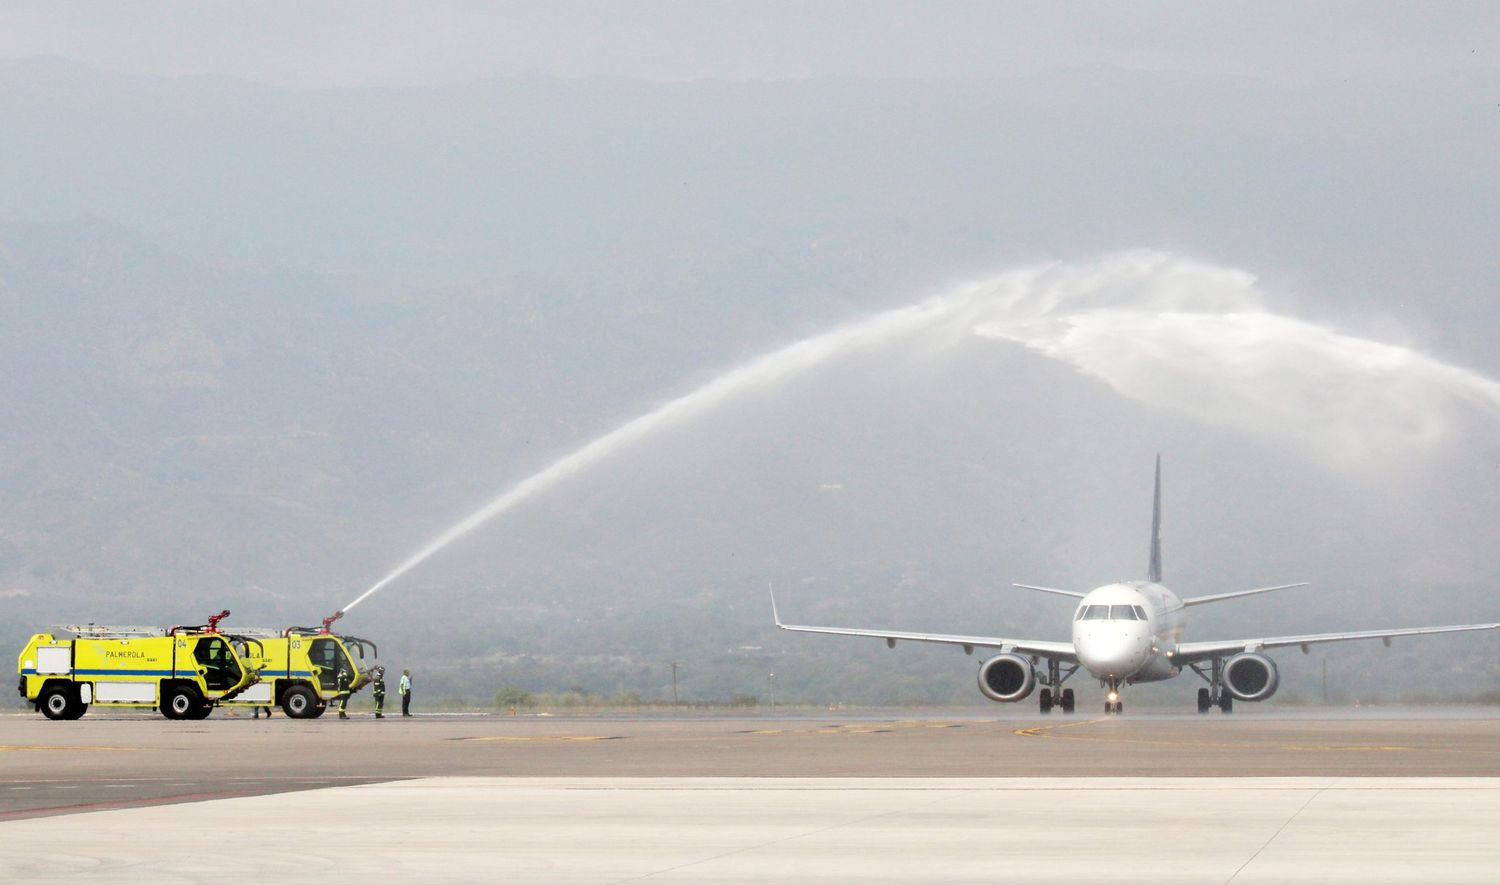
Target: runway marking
{"points": [[24, 748], [1047, 731], [1042, 730], [539, 738], [862, 728]]}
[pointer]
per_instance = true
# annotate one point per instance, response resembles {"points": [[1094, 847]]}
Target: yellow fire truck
{"points": [[299, 668], [181, 671]]}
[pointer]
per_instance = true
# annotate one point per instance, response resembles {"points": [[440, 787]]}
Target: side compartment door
{"points": [[54, 660]]}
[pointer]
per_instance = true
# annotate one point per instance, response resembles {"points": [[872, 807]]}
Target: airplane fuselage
{"points": [[1128, 632]]}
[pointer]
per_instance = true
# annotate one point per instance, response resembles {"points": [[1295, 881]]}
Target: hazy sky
{"points": [[301, 45], [267, 344]]}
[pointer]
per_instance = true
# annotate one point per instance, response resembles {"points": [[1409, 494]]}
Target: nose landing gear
{"points": [[1112, 703]]}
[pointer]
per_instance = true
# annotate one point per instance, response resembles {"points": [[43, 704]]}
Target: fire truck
{"points": [[299, 667], [182, 671]]}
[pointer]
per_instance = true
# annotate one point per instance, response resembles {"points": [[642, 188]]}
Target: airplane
{"points": [[1130, 632]]}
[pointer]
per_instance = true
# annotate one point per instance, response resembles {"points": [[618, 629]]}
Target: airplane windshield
{"points": [[1110, 613]]}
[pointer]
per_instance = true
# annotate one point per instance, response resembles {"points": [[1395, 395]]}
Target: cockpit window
{"points": [[1096, 613], [1121, 613], [1081, 610], [1141, 613]]}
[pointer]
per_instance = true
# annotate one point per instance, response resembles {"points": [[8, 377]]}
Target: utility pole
{"points": [[771, 680], [1325, 681], [675, 665]]}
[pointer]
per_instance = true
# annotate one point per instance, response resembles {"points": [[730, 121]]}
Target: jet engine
{"points": [[1007, 677], [1251, 677]]}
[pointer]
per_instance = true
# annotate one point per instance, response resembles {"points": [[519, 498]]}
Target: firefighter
{"points": [[343, 692], [378, 687]]}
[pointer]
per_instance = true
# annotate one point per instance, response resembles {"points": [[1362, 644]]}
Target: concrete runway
{"points": [[579, 830], [747, 799]]}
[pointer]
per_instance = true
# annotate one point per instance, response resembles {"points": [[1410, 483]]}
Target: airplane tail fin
{"points": [[1154, 572]]}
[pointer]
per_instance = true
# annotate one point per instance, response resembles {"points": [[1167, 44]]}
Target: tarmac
{"points": [[1369, 796]]}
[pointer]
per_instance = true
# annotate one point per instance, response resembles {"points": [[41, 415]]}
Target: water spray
{"points": [[1174, 334], [775, 366]]}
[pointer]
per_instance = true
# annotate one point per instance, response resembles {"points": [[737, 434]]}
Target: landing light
{"points": [[1114, 696]]}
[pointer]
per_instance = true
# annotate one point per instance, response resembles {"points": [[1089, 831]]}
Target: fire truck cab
{"points": [[299, 668]]}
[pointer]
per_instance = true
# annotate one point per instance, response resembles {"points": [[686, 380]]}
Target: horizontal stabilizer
{"points": [[1219, 597], [1075, 594]]}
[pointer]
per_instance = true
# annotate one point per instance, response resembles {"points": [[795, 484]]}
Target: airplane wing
{"points": [[1217, 597], [1074, 593], [1192, 652], [1062, 651]]}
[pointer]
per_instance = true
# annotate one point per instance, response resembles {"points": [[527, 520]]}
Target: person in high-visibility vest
{"points": [[404, 687]]}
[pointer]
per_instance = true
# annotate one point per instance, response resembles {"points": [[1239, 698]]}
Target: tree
{"points": [[510, 696]]}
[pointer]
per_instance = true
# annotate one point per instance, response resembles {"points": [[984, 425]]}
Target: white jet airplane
{"points": [[1131, 632]]}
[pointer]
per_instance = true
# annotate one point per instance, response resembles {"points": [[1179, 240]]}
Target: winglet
{"points": [[774, 616], [1154, 573]]}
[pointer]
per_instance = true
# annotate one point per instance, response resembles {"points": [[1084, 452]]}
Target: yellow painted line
{"points": [[1317, 748], [1047, 731], [861, 728], [540, 738], [19, 748]]}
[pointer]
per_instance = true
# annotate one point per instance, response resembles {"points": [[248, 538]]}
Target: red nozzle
{"points": [[328, 621], [213, 621]]}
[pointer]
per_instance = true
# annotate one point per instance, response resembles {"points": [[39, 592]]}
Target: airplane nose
{"points": [[1112, 650]]}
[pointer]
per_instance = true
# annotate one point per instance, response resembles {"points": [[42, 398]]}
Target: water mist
{"points": [[1174, 334]]}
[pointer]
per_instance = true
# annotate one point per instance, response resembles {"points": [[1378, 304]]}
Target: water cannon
{"points": [[211, 627], [324, 630]]}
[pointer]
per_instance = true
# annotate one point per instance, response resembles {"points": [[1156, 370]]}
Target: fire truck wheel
{"points": [[180, 703], [56, 704], [317, 710], [201, 711], [299, 702]]}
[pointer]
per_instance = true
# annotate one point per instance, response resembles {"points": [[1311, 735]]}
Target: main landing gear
{"points": [[1063, 699], [1216, 695], [1054, 695]]}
